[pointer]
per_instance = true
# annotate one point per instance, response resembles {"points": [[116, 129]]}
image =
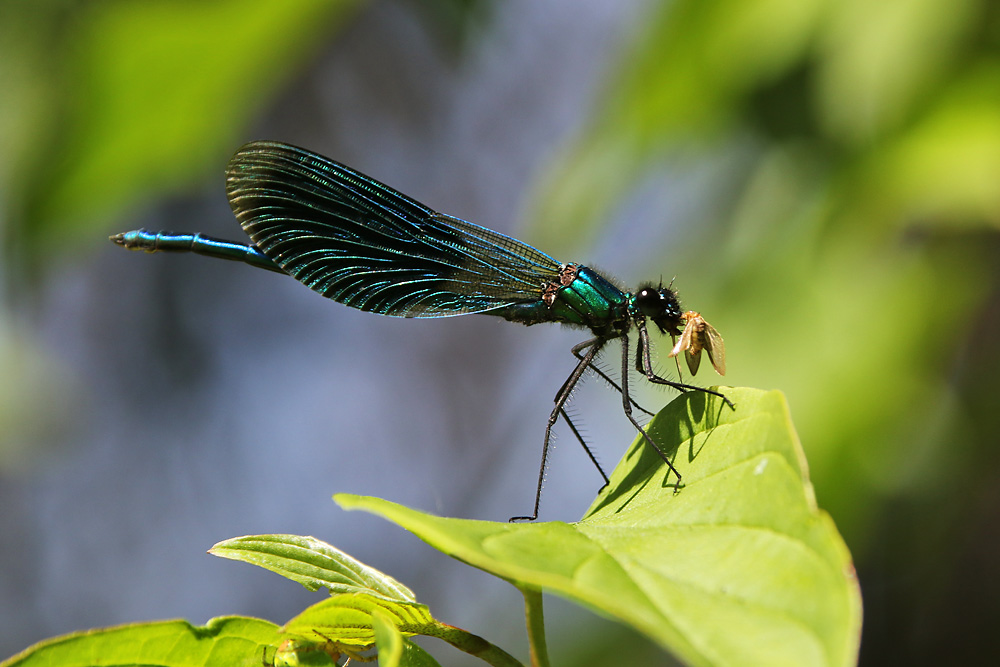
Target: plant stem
{"points": [[535, 619], [467, 642]]}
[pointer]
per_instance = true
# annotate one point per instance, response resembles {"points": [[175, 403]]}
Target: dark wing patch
{"points": [[359, 242]]}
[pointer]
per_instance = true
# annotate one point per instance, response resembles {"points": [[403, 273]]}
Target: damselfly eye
{"points": [[661, 306], [649, 301]]}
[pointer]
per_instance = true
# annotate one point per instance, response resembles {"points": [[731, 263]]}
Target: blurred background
{"points": [[820, 177]]}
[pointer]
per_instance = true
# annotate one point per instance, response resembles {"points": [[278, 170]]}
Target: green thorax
{"points": [[580, 296]]}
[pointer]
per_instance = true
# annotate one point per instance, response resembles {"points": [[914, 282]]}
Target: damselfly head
{"points": [[661, 306], [699, 335]]}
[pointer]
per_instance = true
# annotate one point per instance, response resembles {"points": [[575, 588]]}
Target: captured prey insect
{"points": [[699, 335], [367, 246]]}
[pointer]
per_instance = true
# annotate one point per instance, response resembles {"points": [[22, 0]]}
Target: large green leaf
{"points": [[737, 567], [233, 641]]}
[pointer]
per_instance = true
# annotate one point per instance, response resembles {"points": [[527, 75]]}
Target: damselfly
{"points": [[367, 246]]}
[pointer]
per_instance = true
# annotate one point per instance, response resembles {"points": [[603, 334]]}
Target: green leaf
{"points": [[350, 623], [738, 567], [234, 641], [362, 597], [295, 652], [388, 640], [312, 563], [347, 619], [395, 650], [414, 656]]}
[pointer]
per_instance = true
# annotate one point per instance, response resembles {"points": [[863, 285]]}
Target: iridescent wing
{"points": [[359, 242]]}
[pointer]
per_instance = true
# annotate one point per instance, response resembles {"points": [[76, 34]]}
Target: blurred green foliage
{"points": [[121, 100]]}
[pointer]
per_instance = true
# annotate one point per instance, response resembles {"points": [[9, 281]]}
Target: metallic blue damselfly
{"points": [[359, 242]]}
